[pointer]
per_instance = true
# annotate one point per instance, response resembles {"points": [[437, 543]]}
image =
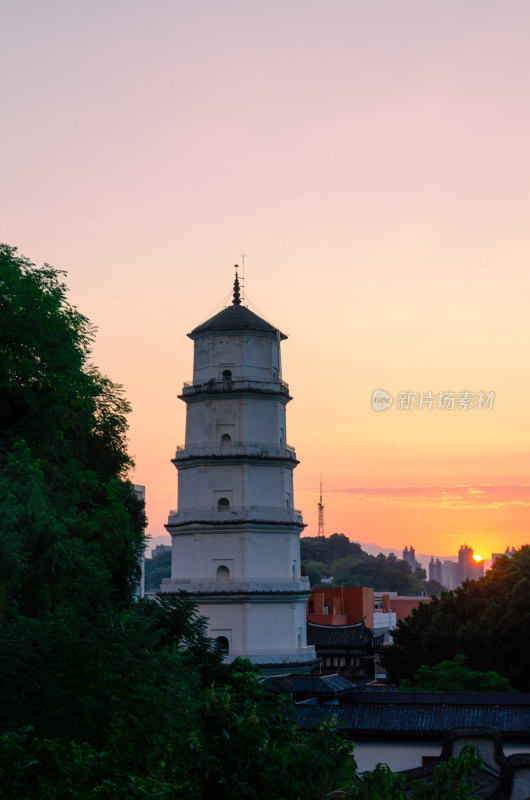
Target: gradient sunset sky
{"points": [[372, 161]]}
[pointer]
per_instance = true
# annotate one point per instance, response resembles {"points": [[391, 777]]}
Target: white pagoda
{"points": [[235, 534]]}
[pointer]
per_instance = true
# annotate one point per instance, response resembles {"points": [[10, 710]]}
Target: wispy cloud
{"points": [[462, 496]]}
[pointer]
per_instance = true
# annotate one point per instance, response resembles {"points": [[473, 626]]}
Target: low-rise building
{"points": [[341, 605], [406, 729], [399, 605]]}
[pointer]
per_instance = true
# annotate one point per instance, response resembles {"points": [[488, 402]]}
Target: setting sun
{"points": [[477, 558]]}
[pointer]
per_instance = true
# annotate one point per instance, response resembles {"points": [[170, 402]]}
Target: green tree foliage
{"points": [[157, 568], [349, 565], [327, 549], [71, 524], [80, 661], [455, 779], [315, 571], [486, 621], [433, 587], [244, 742], [455, 676]]}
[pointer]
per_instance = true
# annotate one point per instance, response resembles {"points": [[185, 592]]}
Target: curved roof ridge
{"points": [[337, 627], [236, 318]]}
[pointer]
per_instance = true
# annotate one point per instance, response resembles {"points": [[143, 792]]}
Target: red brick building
{"points": [[341, 606], [400, 605], [349, 605]]}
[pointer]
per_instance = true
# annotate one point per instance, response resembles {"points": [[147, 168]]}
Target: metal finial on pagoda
{"points": [[237, 297]]}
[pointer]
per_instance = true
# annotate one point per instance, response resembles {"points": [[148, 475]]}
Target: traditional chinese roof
{"points": [[235, 318], [413, 719], [313, 685], [375, 688], [340, 636]]}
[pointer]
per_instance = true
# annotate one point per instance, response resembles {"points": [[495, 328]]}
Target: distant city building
{"points": [[445, 572], [508, 552], [452, 574], [468, 567], [435, 570], [409, 555]]}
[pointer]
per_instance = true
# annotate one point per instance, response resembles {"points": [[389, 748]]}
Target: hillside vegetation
{"points": [[348, 564], [157, 568]]}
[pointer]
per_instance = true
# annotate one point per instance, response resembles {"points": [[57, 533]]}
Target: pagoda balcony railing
{"points": [[269, 387], [279, 514], [237, 585], [218, 449]]}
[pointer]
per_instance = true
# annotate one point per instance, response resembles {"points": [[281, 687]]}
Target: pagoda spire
{"points": [[237, 297]]}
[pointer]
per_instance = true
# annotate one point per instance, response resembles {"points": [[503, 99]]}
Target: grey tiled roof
{"points": [[414, 719], [379, 688], [235, 318], [337, 683], [344, 636], [315, 685]]}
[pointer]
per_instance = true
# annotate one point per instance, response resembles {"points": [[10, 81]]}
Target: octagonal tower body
{"points": [[235, 534]]}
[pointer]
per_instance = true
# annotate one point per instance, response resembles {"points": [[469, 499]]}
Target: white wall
{"points": [[266, 553], [407, 755], [278, 627], [253, 419], [253, 484], [398, 755], [249, 357]]}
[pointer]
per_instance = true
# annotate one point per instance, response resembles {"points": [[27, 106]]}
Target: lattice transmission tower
{"points": [[321, 512]]}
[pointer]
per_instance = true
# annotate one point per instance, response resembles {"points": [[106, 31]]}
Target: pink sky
{"points": [[372, 162]]}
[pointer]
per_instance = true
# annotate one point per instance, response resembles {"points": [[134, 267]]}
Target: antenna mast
{"points": [[320, 512]]}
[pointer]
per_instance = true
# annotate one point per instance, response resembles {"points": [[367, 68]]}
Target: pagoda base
{"points": [[267, 626]]}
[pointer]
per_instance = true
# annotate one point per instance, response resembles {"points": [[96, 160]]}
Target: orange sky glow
{"points": [[370, 159]]}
